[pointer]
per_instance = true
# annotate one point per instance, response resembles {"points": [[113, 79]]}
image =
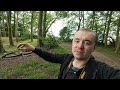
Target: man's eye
{"points": [[87, 43], [76, 41]]}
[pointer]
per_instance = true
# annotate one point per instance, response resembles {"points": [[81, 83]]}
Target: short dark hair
{"points": [[89, 30]]}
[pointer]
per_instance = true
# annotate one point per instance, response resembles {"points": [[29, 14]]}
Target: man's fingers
{"points": [[20, 46]]}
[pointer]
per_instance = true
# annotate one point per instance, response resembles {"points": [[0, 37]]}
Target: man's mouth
{"points": [[78, 52]]}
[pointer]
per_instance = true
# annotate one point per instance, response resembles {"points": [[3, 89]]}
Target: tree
{"points": [[40, 44], [3, 24], [117, 32], [108, 27], [16, 27], [32, 18], [9, 28], [44, 24], [65, 34], [2, 50], [118, 46]]}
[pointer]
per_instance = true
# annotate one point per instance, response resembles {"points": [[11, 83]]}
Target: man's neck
{"points": [[79, 63]]}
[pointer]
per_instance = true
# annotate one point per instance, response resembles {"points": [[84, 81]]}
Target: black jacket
{"points": [[94, 69]]}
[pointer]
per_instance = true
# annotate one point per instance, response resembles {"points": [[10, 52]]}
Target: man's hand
{"points": [[26, 47]]}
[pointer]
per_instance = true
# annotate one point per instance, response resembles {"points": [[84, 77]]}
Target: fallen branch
{"points": [[16, 54]]}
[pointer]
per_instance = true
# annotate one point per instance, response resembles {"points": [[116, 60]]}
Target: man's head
{"points": [[83, 44]]}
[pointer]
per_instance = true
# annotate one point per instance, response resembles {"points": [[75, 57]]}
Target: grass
{"points": [[61, 49], [33, 69], [110, 51]]}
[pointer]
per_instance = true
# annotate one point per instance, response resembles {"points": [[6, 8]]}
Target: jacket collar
{"points": [[90, 68]]}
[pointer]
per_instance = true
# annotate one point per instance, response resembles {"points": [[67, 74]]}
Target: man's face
{"points": [[83, 45]]}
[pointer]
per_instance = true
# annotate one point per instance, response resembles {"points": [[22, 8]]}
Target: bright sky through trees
{"points": [[56, 27]]}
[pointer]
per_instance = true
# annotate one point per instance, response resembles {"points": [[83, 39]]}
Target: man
{"points": [[80, 64]]}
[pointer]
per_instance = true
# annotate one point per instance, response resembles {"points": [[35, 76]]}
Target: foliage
{"points": [[61, 14], [65, 34], [25, 35], [51, 41], [50, 17]]}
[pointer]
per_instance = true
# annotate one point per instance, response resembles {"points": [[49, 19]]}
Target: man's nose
{"points": [[81, 45]]}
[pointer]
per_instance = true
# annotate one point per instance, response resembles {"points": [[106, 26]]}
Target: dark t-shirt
{"points": [[71, 73]]}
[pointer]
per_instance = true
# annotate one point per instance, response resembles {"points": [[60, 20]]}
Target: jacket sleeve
{"points": [[51, 57], [108, 72]]}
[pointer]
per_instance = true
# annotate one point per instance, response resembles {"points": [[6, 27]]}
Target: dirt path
{"points": [[111, 60]]}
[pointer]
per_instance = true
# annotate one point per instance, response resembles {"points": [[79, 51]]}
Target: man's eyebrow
{"points": [[76, 38], [84, 40], [88, 40]]}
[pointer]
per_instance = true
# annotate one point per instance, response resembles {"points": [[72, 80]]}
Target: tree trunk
{"points": [[23, 21], [108, 28], [117, 32], [93, 20], [44, 24], [2, 50], [96, 29], [32, 15], [104, 32], [16, 26], [40, 44], [79, 20], [9, 28], [83, 18], [118, 46], [3, 24]]}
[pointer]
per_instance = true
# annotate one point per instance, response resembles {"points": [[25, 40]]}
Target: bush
{"points": [[51, 41]]}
